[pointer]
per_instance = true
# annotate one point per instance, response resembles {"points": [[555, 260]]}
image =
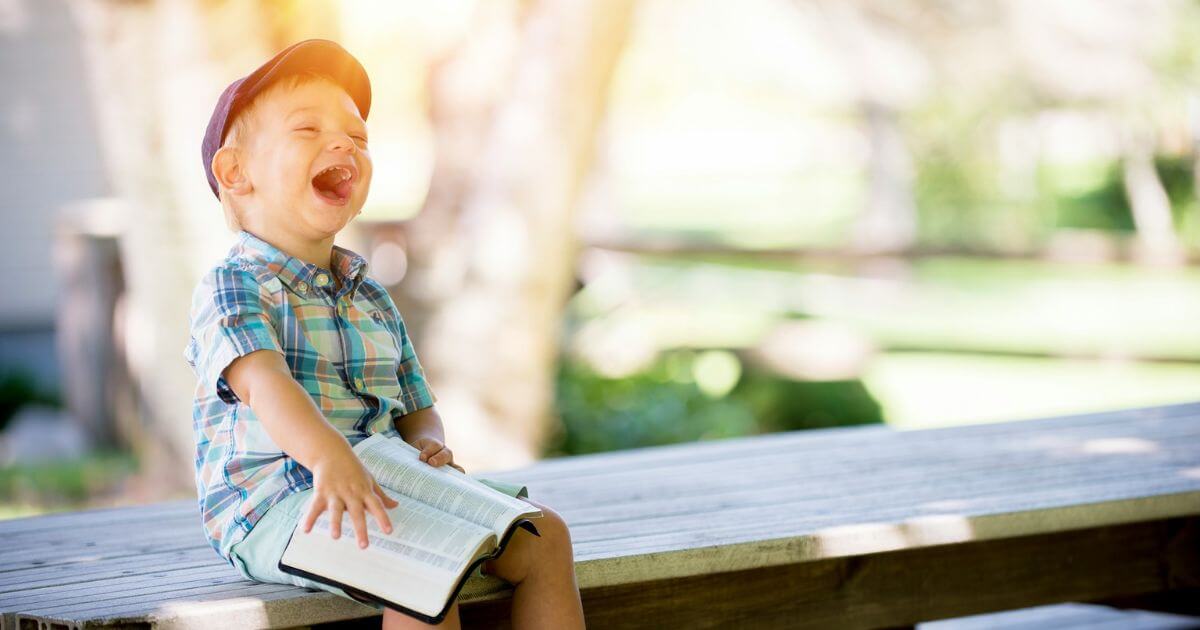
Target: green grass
{"points": [[922, 390], [947, 303], [52, 485], [1091, 322]]}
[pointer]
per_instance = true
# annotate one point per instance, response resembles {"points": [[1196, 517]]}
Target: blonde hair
{"points": [[242, 125]]}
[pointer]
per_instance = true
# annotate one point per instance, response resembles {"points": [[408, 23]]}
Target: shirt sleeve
{"points": [[414, 389], [231, 317]]}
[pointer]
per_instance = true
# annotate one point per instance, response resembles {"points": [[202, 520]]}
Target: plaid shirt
{"points": [[349, 350]]}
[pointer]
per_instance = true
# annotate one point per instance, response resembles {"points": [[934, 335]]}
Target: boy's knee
{"points": [[526, 552], [552, 529]]}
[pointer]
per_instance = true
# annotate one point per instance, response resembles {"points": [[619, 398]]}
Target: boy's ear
{"points": [[227, 168]]}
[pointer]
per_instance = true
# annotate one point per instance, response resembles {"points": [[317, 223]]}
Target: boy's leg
{"points": [[394, 620], [542, 572]]}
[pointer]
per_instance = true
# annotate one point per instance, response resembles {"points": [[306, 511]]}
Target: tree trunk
{"points": [[492, 253], [1157, 243], [888, 223]]}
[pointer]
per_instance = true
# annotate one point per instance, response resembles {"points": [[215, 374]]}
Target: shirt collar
{"points": [[302, 277]]}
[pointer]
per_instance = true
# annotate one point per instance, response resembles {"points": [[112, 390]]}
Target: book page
{"points": [[396, 465], [417, 565], [419, 533]]}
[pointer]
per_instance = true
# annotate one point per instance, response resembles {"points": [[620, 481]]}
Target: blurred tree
{"points": [[869, 47], [148, 61], [492, 253], [1000, 60]]}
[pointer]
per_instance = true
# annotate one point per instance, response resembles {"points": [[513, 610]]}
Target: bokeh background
{"points": [[613, 224]]}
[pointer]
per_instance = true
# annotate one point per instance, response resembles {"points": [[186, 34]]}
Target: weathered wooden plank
{"points": [[739, 529], [182, 521], [126, 584], [284, 608], [800, 477], [735, 478], [38, 576], [150, 543], [105, 606], [1057, 616], [862, 436], [97, 546], [909, 449], [975, 494], [704, 552], [121, 514], [893, 588], [863, 454], [699, 505], [118, 586], [686, 511]]}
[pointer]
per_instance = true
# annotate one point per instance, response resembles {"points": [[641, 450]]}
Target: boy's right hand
{"points": [[342, 483]]}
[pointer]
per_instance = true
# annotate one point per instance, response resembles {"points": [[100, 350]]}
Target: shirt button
{"points": [[302, 287], [358, 382], [322, 280]]}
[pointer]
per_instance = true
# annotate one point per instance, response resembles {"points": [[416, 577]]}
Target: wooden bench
{"points": [[851, 527]]}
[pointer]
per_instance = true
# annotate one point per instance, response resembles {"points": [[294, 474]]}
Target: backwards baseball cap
{"points": [[311, 55]]}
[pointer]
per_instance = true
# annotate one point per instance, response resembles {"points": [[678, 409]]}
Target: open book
{"points": [[447, 523]]}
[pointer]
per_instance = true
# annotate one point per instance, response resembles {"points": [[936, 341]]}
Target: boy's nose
{"points": [[342, 142]]}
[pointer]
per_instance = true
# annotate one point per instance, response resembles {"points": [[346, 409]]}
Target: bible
{"points": [[447, 524]]}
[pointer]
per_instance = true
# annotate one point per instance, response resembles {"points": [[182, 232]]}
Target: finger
{"points": [[359, 519], [388, 501], [433, 454], [375, 504], [445, 457], [335, 514], [314, 510], [429, 449], [460, 468]]}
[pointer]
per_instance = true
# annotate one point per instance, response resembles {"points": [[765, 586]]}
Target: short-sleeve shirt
{"points": [[347, 347]]}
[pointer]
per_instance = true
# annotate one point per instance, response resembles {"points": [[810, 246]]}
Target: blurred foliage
{"points": [[1093, 196], [17, 389], [1178, 179], [65, 481], [960, 199], [663, 405]]}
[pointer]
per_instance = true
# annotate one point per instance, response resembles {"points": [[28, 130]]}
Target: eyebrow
{"points": [[299, 110]]}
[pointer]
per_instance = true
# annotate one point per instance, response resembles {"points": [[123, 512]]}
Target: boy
{"points": [[299, 354]]}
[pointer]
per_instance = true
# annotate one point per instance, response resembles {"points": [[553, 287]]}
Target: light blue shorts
{"points": [[257, 555]]}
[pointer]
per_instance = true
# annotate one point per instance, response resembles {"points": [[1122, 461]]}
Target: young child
{"points": [[299, 354]]}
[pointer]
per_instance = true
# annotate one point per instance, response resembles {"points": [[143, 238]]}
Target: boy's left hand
{"points": [[435, 453]]}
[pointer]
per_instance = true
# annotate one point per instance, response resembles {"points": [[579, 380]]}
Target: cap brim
{"points": [[318, 55]]}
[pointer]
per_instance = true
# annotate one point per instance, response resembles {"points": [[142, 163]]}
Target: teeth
{"points": [[343, 173]]}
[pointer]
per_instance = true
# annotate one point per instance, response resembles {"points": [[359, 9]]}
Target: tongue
{"points": [[329, 186]]}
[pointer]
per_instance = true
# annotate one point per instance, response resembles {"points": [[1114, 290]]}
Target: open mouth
{"points": [[334, 184]]}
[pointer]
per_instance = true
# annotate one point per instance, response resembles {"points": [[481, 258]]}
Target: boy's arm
{"points": [[263, 381], [421, 423]]}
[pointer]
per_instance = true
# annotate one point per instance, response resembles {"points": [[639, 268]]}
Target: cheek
{"points": [[291, 170], [283, 175], [367, 173]]}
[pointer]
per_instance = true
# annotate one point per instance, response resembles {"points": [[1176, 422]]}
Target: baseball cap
{"points": [[318, 55]]}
